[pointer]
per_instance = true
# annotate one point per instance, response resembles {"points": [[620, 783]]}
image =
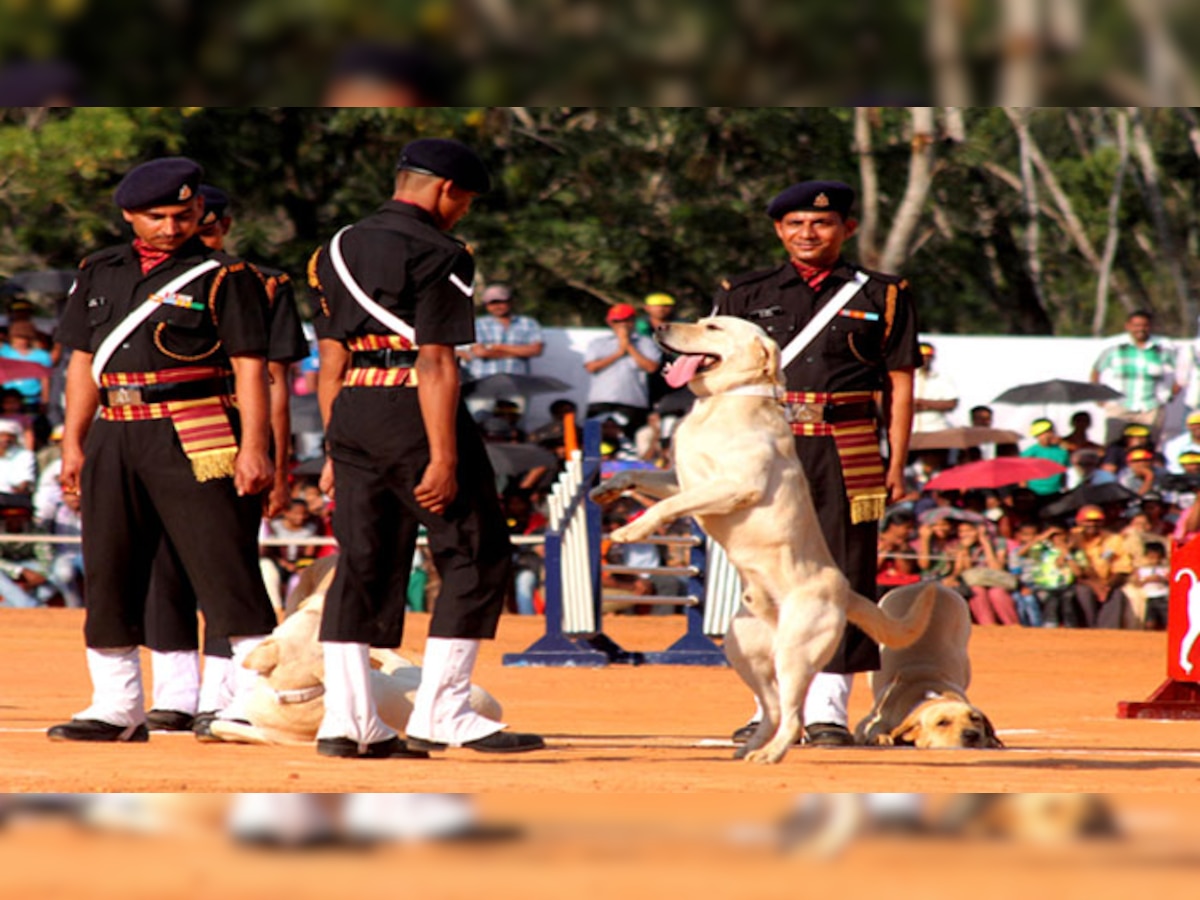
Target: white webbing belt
{"points": [[377, 312], [818, 322], [129, 324]]}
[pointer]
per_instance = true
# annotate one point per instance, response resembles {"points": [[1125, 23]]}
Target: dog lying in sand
{"points": [[921, 690], [287, 705], [739, 475]]}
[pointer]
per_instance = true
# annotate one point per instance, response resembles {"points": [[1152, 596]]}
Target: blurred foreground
{"points": [[168, 845]]}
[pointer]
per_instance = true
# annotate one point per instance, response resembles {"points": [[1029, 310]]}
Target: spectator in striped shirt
{"points": [[1142, 367]]}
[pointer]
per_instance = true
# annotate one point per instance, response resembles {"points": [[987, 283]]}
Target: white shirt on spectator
{"points": [[18, 466]]}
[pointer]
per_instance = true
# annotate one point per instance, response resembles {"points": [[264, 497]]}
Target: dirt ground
{"points": [[1051, 694]]}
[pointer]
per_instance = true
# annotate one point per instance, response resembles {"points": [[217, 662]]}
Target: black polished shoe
{"points": [[828, 734], [169, 720], [98, 731], [498, 742], [344, 748], [744, 733], [202, 727]]}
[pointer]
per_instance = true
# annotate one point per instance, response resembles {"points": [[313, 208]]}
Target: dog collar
{"points": [[754, 390], [298, 695]]}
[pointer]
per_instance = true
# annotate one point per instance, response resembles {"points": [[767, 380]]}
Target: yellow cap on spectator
{"points": [[1194, 418], [1040, 426], [1189, 458], [1136, 431], [659, 299]]}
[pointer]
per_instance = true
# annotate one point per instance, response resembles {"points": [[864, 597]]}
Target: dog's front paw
{"points": [[768, 755], [632, 533], [604, 494]]}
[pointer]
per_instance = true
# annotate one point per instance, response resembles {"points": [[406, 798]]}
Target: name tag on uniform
{"points": [[183, 301], [861, 315]]}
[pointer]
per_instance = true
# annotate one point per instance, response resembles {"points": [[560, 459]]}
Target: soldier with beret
{"points": [[171, 628], [164, 331], [395, 297], [847, 336]]}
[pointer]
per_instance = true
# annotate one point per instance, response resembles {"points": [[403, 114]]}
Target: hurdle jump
{"points": [[574, 633]]}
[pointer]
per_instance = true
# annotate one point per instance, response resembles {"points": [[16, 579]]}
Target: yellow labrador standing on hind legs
{"points": [[739, 476]]}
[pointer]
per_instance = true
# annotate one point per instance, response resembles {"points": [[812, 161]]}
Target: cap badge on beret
{"points": [[821, 201], [185, 192]]}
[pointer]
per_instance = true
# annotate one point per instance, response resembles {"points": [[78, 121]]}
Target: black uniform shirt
{"points": [[874, 334], [286, 342], [407, 266], [230, 318]]}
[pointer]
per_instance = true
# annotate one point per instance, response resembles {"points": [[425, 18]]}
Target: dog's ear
{"points": [[989, 735], [264, 658], [907, 733], [770, 369]]}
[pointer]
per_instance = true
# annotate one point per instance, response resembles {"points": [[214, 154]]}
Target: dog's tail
{"points": [[890, 632]]}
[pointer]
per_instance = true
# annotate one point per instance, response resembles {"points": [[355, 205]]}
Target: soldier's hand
{"points": [[279, 498], [437, 489], [252, 473], [326, 481], [72, 465]]}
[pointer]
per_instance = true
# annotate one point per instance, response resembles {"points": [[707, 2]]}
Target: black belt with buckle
{"points": [[831, 413], [383, 359], [136, 395]]}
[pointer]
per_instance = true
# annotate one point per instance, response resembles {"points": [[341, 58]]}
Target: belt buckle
{"points": [[125, 396], [807, 413]]}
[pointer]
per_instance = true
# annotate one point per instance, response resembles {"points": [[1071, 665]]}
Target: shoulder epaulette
{"points": [[100, 255], [747, 278], [884, 277]]}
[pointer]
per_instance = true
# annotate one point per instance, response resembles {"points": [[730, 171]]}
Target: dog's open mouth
{"points": [[686, 367]]}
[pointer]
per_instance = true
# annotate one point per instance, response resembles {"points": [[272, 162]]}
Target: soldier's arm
{"points": [[898, 416], [437, 393], [83, 399], [253, 471]]}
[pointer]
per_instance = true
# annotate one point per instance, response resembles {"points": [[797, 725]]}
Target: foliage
{"points": [[600, 205]]}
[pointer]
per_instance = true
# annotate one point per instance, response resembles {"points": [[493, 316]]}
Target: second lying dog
{"points": [[739, 475], [921, 690], [287, 705]]}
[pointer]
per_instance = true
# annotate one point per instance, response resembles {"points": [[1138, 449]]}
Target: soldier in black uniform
{"points": [[395, 298], [171, 628], [851, 380], [162, 329]]}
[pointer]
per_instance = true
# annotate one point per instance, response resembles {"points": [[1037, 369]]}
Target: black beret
{"points": [[161, 182], [447, 159], [215, 202], [813, 196]]}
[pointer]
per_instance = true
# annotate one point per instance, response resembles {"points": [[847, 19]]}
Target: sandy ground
{"points": [[648, 729]]}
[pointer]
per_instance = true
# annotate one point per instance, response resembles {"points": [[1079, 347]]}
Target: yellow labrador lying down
{"points": [[921, 690], [286, 707], [739, 475]]}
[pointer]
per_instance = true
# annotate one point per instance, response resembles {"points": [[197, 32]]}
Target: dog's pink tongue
{"points": [[682, 370]]}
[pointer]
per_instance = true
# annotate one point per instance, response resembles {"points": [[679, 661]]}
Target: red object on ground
{"points": [[994, 473], [1179, 696]]}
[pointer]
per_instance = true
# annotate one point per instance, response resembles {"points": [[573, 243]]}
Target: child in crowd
{"points": [[1153, 576], [1056, 569], [1022, 562]]}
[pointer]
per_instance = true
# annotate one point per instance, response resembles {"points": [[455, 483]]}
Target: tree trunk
{"points": [[1112, 236], [920, 176], [1029, 194], [1168, 252], [1021, 49], [944, 48], [868, 228]]}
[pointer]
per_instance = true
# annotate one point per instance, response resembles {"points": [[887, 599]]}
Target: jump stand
{"points": [[1179, 696]]}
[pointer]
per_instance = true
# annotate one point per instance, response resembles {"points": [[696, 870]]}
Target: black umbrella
{"points": [[49, 281], [306, 414], [309, 468], [1088, 495], [517, 459], [1058, 391], [510, 385]]}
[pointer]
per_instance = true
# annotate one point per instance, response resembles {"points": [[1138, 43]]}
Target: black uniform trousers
{"points": [[855, 548], [379, 448], [171, 622], [139, 486]]}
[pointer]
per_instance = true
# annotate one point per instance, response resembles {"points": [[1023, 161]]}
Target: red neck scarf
{"points": [[812, 275], [148, 257]]}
